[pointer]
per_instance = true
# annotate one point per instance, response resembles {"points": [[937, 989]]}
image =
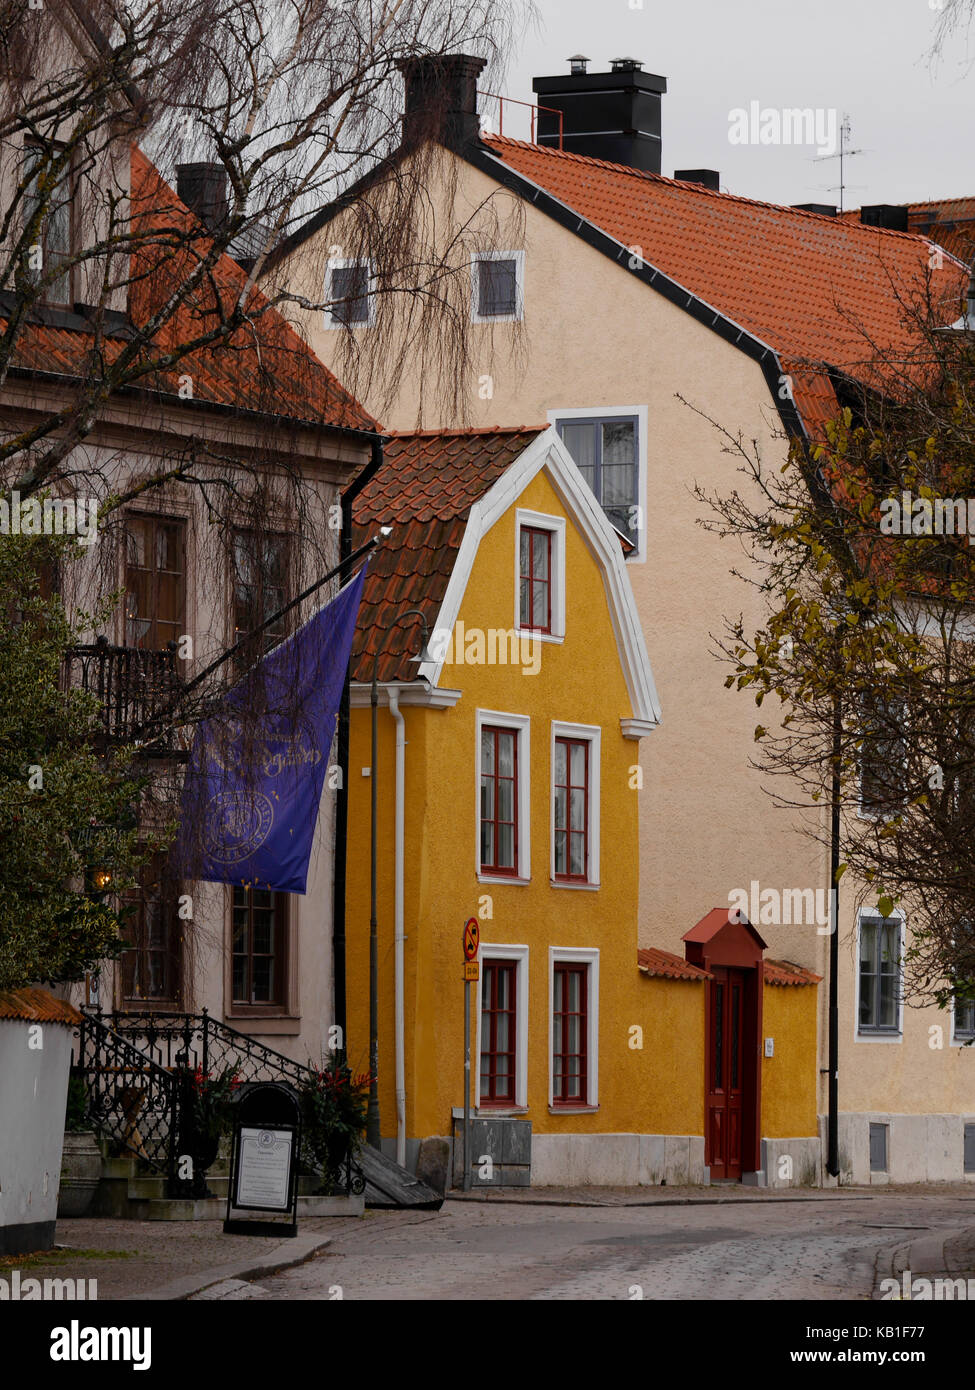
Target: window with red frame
{"points": [[498, 1017], [535, 579], [570, 1030], [499, 800], [572, 809]]}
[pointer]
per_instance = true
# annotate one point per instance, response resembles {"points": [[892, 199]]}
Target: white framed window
{"points": [[497, 286], [880, 954], [963, 1021], [502, 773], [608, 445], [349, 293], [539, 575], [501, 1081], [575, 759], [573, 1028]]}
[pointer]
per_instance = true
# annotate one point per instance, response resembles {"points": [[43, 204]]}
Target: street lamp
{"points": [[372, 1110]]}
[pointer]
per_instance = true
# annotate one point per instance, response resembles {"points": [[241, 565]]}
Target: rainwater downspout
{"points": [[399, 938]]}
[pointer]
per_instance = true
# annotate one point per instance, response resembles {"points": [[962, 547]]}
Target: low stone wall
{"points": [[920, 1148], [617, 1160]]}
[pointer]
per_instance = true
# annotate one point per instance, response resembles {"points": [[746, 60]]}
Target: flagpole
{"points": [[275, 617]]}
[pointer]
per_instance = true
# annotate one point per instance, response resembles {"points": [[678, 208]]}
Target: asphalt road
{"points": [[811, 1249]]}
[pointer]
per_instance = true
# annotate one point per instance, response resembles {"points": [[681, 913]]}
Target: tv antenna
{"points": [[844, 153]]}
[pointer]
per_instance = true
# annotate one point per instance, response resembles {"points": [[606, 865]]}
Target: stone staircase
{"points": [[130, 1191]]}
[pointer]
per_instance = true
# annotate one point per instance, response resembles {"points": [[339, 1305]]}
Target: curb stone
{"points": [[284, 1256], [925, 1255], [653, 1202]]}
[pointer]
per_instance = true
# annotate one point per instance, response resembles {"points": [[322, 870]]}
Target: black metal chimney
{"points": [[203, 188], [608, 115], [890, 215], [707, 178], [441, 99]]}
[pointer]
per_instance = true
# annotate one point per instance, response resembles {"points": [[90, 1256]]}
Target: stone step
{"points": [[215, 1209]]}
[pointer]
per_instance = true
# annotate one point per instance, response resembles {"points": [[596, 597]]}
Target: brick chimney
{"points": [[441, 99], [203, 188]]}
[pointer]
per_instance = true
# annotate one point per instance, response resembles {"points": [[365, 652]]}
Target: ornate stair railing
{"points": [[199, 1041], [158, 1053], [131, 1100]]}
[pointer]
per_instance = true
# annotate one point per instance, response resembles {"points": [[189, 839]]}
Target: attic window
{"points": [[498, 278], [348, 285]]}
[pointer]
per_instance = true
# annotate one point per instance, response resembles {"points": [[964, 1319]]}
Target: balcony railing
{"points": [[137, 691]]}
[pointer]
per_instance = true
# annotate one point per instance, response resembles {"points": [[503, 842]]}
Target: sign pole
{"points": [[467, 1086], [472, 973]]}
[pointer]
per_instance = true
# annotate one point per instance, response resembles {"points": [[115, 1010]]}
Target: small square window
{"points": [[348, 285], [497, 286]]}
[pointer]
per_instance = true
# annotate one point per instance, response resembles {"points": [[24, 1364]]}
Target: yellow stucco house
{"points": [[507, 783], [655, 323]]}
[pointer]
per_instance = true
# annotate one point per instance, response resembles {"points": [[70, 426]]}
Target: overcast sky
{"points": [[914, 121]]}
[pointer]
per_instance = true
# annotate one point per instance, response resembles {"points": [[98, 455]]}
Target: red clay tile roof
{"points": [[425, 491], [36, 1006], [802, 283], [265, 367], [783, 972], [948, 222], [656, 962]]}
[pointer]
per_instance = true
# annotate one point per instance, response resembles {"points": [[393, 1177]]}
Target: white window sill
{"points": [[880, 1037], [482, 1113], [502, 878], [573, 1109], [528, 634], [564, 883]]}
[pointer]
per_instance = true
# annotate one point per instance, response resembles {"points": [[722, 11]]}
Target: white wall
{"points": [[34, 1062]]}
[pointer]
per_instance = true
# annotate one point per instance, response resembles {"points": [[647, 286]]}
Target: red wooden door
{"points": [[726, 1072]]}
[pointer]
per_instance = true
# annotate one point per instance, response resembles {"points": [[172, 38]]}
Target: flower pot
{"points": [[81, 1171]]}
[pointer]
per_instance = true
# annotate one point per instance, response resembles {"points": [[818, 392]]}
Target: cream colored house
{"points": [[260, 416], [643, 316]]}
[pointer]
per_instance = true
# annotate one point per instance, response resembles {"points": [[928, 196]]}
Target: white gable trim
{"points": [[548, 453]]}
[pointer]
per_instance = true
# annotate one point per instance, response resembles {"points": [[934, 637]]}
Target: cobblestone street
{"points": [[808, 1249]]}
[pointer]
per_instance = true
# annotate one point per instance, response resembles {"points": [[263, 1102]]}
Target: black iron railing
{"points": [[131, 1100], [139, 1070], [137, 691]]}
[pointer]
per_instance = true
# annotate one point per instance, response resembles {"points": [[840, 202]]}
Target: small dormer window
{"points": [[540, 575], [535, 579], [498, 278], [348, 290], [53, 248]]}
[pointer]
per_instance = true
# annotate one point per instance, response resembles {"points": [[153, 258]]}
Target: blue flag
{"points": [[255, 775]]}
